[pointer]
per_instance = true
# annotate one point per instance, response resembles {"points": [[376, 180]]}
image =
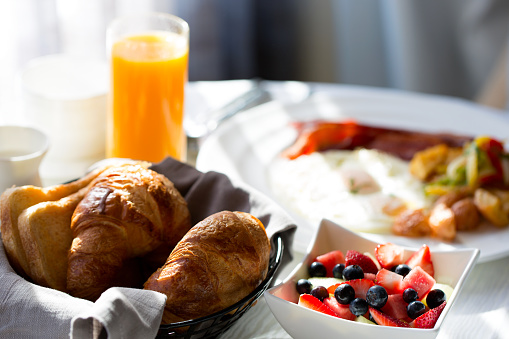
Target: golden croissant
{"points": [[218, 262], [128, 212]]}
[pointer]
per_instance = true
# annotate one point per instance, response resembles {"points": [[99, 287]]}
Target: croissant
{"points": [[15, 200], [218, 262], [128, 212]]}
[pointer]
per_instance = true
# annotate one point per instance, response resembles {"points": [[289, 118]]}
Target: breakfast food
{"points": [[470, 186], [15, 200], [118, 225], [217, 263], [128, 212], [317, 136], [401, 293], [46, 238], [362, 190], [39, 226], [384, 180]]}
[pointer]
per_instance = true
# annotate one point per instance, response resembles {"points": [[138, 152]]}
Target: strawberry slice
{"points": [[390, 281], [360, 286], [430, 318], [422, 258], [389, 255], [370, 276], [385, 319], [331, 259], [313, 303], [309, 301], [342, 311], [419, 280], [356, 258], [396, 307], [326, 310]]}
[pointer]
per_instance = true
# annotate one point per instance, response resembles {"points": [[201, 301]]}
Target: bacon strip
{"points": [[318, 135]]}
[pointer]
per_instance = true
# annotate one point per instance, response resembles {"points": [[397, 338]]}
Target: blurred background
{"points": [[447, 47]]}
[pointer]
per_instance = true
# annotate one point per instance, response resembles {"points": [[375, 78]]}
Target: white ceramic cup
{"points": [[21, 151]]}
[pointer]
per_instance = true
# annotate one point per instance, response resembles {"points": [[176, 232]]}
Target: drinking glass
{"points": [[148, 57], [65, 96]]}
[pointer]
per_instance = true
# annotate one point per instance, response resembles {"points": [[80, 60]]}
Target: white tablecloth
{"points": [[482, 308]]}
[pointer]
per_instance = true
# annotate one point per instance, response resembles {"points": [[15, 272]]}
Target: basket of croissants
{"points": [[127, 225]]}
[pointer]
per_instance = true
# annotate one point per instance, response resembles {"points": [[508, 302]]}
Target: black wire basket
{"points": [[214, 325]]}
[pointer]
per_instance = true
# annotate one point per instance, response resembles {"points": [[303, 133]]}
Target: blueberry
{"points": [[410, 295], [353, 272], [376, 296], [337, 271], [435, 298], [317, 269], [358, 307], [402, 269], [304, 286], [344, 294], [415, 309], [320, 293]]}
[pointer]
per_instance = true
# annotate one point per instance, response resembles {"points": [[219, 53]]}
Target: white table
{"points": [[482, 309]]}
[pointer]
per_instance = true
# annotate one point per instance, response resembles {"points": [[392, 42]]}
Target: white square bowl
{"points": [[451, 267]]}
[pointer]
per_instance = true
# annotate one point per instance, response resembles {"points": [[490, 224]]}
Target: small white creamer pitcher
{"points": [[21, 151]]}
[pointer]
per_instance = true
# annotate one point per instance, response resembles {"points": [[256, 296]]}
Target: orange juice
{"points": [[146, 115]]}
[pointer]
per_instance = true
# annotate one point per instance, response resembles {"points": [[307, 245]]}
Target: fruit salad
{"points": [[381, 288]]}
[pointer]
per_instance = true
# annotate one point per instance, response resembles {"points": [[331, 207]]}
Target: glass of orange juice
{"points": [[148, 57]]}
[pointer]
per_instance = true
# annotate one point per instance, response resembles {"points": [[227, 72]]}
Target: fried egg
{"points": [[361, 190]]}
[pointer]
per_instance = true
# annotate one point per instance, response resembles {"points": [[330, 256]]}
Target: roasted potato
{"points": [[452, 197], [492, 207], [466, 214], [442, 222], [424, 164], [412, 223]]}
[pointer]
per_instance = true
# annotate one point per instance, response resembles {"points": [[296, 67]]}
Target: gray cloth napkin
{"points": [[31, 311]]}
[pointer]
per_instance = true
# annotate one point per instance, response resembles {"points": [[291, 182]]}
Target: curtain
{"points": [[448, 47], [444, 47]]}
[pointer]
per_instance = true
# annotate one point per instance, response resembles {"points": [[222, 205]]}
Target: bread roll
{"points": [[218, 262], [128, 212], [15, 200], [45, 233]]}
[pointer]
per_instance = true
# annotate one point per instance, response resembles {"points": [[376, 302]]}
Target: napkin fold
{"points": [[139, 311], [31, 311]]}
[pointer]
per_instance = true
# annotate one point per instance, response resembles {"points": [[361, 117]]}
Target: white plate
{"points": [[451, 267], [245, 146]]}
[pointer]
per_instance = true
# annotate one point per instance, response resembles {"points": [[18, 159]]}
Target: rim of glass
{"points": [[157, 15]]}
